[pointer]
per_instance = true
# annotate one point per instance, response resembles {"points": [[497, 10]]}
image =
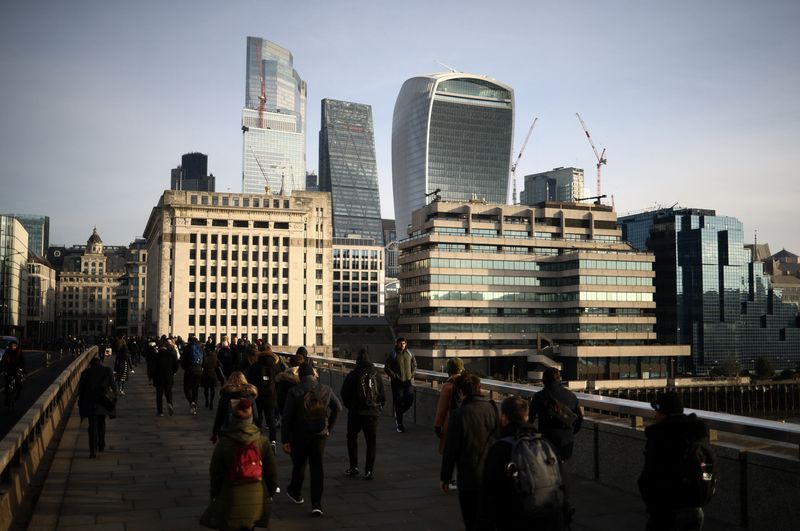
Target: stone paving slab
{"points": [[154, 476]]}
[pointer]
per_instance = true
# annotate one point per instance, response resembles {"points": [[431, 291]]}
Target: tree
{"points": [[764, 368]]}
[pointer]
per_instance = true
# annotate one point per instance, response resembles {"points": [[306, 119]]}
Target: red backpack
{"points": [[246, 464]]}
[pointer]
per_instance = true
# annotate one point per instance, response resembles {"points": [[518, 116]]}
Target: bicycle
{"points": [[14, 388]]}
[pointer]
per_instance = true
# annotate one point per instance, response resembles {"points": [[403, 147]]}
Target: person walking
{"points": [[669, 480], [122, 369], [242, 474], [96, 401], [400, 367], [192, 365], [558, 412], [212, 375], [470, 434], [308, 419], [364, 397], [236, 388], [262, 374], [448, 400], [165, 365]]}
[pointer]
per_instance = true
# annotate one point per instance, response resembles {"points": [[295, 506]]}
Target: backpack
{"points": [[246, 466], [367, 390], [314, 410], [696, 476], [535, 474], [557, 412], [195, 355]]}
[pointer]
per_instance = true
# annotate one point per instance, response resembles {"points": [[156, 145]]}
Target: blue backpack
{"points": [[195, 354]]}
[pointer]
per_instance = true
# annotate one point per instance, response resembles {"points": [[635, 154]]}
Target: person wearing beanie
{"points": [[448, 400], [245, 505], [309, 415]]}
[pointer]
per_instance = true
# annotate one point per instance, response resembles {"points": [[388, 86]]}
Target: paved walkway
{"points": [[154, 475]]}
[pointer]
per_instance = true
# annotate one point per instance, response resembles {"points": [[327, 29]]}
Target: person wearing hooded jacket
{"points": [[235, 389], [360, 416], [658, 483], [235, 507]]}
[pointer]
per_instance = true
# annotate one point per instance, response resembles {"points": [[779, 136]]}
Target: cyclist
{"points": [[13, 367]]}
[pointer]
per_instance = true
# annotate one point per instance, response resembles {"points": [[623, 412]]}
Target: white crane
{"points": [[601, 157], [516, 161]]}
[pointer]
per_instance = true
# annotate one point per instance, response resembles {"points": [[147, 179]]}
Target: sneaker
{"points": [[170, 409], [368, 475], [122, 392], [274, 446], [193, 408], [316, 511], [453, 485], [159, 414], [352, 471], [296, 498], [401, 428], [132, 371]]}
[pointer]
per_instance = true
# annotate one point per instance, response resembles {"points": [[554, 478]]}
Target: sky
{"points": [[696, 103]]}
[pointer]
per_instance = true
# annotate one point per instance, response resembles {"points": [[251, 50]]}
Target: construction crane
{"points": [[597, 197], [435, 194], [601, 157], [516, 161], [262, 102]]}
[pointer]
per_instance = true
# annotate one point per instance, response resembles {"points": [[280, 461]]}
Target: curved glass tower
{"points": [[454, 132]]}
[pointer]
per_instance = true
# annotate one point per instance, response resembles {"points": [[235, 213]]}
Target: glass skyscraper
{"points": [[711, 294], [347, 169], [273, 120], [454, 132], [38, 228]]}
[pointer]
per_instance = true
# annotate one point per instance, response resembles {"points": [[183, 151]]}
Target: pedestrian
{"points": [[364, 397], [12, 366], [212, 375], [192, 365], [678, 476], [511, 501], [400, 367], [225, 356], [165, 365], [122, 368], [308, 419], [262, 374], [236, 388], [242, 474], [96, 401], [471, 431], [448, 400], [558, 412]]}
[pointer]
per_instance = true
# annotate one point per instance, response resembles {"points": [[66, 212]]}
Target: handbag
{"points": [[108, 399]]}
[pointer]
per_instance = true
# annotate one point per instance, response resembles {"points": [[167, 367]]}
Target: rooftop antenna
{"points": [[447, 67]]}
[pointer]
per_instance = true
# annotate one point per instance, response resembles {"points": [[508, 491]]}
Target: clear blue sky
{"points": [[697, 103]]}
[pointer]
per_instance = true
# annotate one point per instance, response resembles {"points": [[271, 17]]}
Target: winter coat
{"points": [[659, 484], [239, 506], [292, 425], [471, 432], [224, 411], [262, 374], [400, 366], [122, 366], [211, 367], [12, 360], [350, 394], [555, 433], [165, 365], [444, 407], [92, 384]]}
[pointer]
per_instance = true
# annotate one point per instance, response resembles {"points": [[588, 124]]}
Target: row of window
{"points": [[224, 200], [529, 328], [234, 239], [528, 312], [513, 296]]}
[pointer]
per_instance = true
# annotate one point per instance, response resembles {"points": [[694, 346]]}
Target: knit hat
{"points": [[668, 403], [454, 366], [306, 369], [243, 408]]}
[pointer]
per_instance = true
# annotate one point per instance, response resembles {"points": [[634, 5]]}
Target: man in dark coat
{"points": [[165, 365], [562, 437], [660, 481], [308, 418], [93, 402], [363, 410], [262, 374], [471, 432]]}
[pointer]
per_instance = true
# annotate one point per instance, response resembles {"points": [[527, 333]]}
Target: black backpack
{"points": [[314, 411], [535, 473], [557, 412], [696, 477], [367, 390]]}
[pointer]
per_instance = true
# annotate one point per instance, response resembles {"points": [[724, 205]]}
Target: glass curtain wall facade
{"points": [[347, 169], [711, 294], [38, 228], [560, 184], [451, 132], [273, 126]]}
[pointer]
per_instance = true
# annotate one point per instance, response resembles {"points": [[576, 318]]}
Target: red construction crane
{"points": [[516, 161], [601, 157], [262, 99]]}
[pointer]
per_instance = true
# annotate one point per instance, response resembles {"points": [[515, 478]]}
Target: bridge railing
{"points": [[23, 449], [754, 456]]}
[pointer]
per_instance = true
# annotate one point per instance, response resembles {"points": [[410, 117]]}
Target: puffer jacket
{"points": [[471, 432]]}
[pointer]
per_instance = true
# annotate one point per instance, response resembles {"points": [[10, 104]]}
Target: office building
{"points": [[451, 138], [711, 294], [131, 291], [13, 276], [347, 169], [312, 181], [559, 184], [249, 266], [358, 277], [38, 228], [273, 121], [512, 289], [392, 253], [192, 174], [784, 270], [41, 319]]}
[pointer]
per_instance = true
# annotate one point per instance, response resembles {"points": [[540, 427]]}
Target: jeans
{"points": [[355, 424], [97, 433], [402, 398], [309, 451], [191, 383], [161, 391]]}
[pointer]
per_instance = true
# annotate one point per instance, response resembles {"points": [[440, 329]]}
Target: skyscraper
{"points": [[192, 174], [347, 169], [452, 132], [559, 184], [273, 120], [38, 228]]}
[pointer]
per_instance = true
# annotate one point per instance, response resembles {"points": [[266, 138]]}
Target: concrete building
{"points": [[559, 184], [358, 277], [347, 169], [241, 265], [513, 289], [131, 291], [783, 268], [38, 228], [41, 320], [391, 252], [192, 174], [452, 136], [712, 294], [13, 276], [87, 286], [273, 121]]}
